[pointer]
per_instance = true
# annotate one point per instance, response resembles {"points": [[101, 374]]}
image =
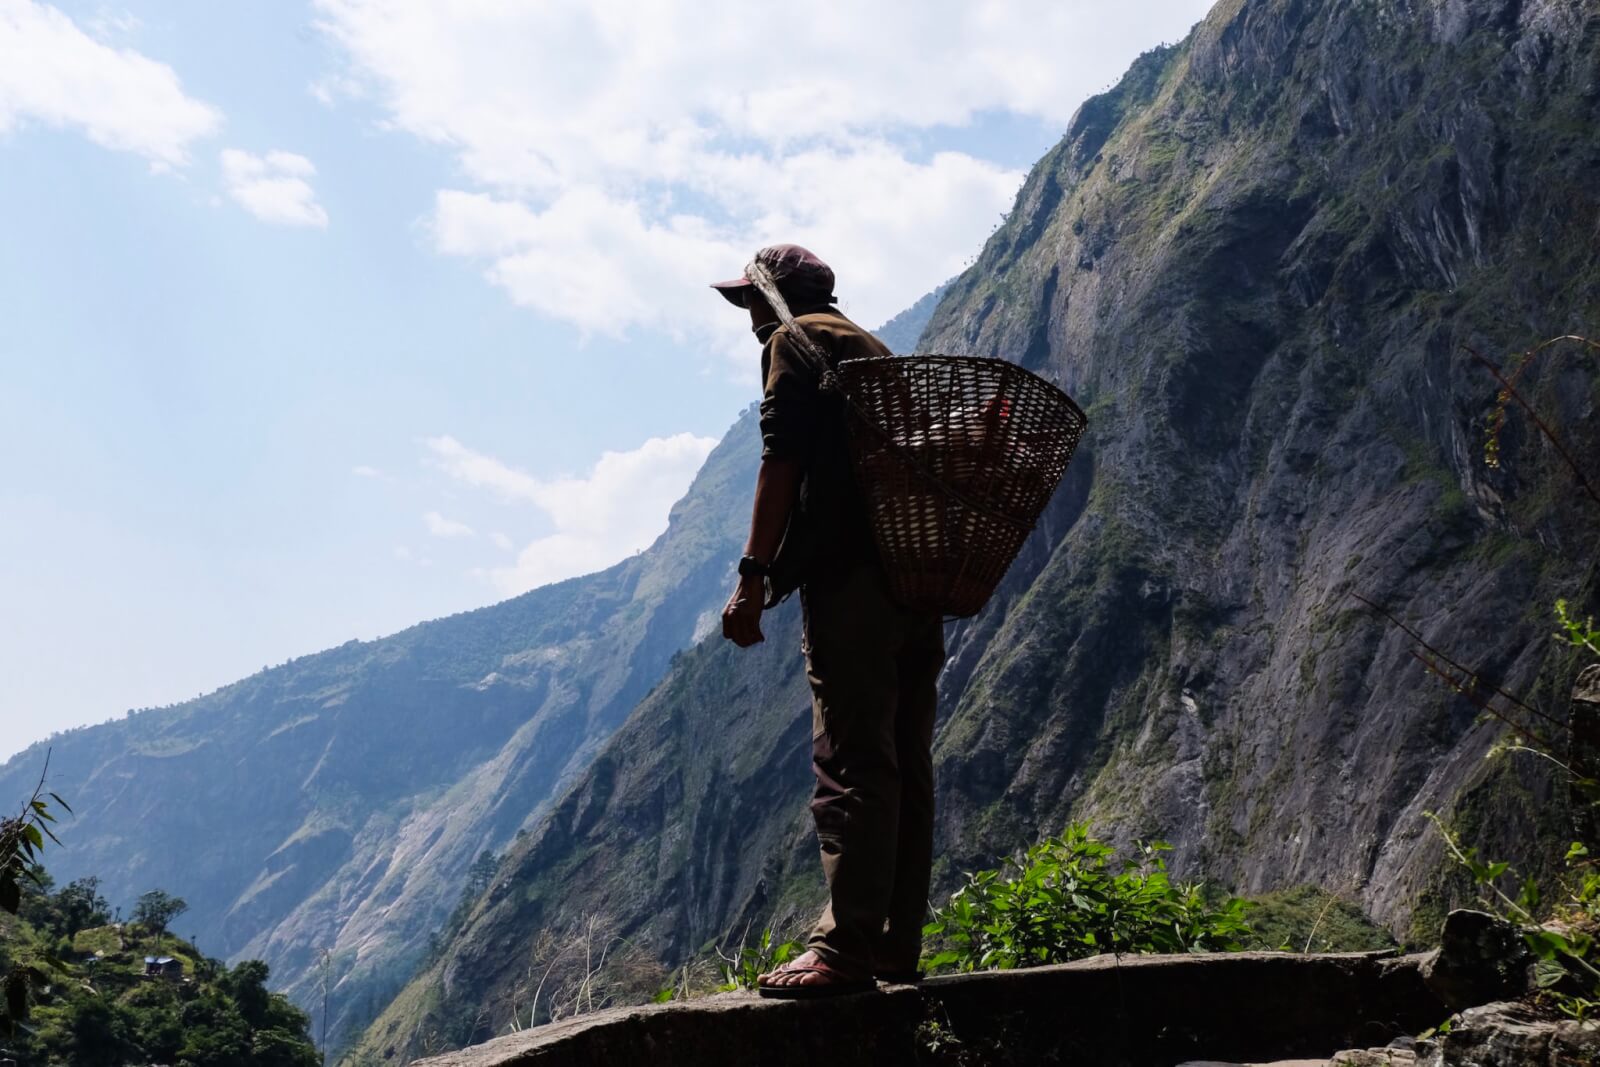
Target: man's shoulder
{"points": [[825, 318], [834, 327]]}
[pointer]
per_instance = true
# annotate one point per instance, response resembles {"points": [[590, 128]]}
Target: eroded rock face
{"points": [[1255, 263]]}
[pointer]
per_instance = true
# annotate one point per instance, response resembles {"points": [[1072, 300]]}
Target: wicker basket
{"points": [[957, 457]]}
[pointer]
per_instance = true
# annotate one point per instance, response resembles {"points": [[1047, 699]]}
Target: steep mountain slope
{"points": [[334, 802], [1253, 262], [902, 332]]}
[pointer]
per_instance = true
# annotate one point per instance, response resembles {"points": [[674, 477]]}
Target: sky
{"points": [[319, 318]]}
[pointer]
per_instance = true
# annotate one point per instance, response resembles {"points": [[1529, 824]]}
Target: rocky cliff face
{"points": [[1254, 262]]}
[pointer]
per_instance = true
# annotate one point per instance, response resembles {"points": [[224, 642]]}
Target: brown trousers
{"points": [[873, 669]]}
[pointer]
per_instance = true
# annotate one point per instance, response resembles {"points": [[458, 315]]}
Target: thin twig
{"points": [[1477, 701], [1546, 756], [1475, 676], [533, 1011], [1326, 904]]}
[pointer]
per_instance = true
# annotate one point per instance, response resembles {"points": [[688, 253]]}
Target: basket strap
{"points": [[828, 380]]}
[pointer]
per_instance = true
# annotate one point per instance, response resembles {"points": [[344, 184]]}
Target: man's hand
{"points": [[741, 619]]}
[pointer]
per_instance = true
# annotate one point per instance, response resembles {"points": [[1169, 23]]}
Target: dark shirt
{"points": [[829, 531]]}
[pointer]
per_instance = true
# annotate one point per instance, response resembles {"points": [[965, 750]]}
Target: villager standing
{"points": [[873, 666]]}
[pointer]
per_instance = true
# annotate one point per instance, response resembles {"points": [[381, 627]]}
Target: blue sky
{"points": [[318, 319]]}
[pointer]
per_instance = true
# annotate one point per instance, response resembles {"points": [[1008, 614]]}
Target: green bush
{"points": [[1068, 899], [1308, 918]]}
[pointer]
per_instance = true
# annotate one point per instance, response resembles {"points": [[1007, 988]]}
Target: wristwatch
{"points": [[750, 567]]}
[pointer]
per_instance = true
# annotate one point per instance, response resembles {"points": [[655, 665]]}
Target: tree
{"points": [[97, 1035], [156, 909], [37, 906], [247, 984], [480, 874], [80, 906]]}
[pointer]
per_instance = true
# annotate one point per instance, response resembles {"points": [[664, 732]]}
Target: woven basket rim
{"points": [[931, 357]]}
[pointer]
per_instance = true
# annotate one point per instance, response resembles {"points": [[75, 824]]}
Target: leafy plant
{"points": [[1067, 899], [22, 839], [749, 962], [1564, 942], [1578, 634]]}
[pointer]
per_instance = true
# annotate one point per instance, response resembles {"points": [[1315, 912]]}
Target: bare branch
{"points": [[1474, 678]]}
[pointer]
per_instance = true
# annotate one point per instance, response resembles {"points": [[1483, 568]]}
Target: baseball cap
{"points": [[798, 272]]}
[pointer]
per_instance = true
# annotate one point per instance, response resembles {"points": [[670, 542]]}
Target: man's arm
{"points": [[777, 488]]}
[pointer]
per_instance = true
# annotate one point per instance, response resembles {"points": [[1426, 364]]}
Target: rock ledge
{"points": [[1132, 1011]]}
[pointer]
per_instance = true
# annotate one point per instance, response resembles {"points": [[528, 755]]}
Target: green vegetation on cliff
{"points": [[130, 993]]}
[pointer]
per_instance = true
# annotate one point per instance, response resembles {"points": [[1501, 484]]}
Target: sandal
{"points": [[835, 983]]}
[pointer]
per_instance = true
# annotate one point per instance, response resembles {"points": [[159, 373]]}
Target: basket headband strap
{"points": [[767, 285]]}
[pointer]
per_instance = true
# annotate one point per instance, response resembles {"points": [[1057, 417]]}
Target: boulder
{"points": [[1511, 1034], [1575, 1044], [1481, 959]]}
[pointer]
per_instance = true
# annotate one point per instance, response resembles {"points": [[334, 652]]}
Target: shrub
{"points": [[1067, 899]]}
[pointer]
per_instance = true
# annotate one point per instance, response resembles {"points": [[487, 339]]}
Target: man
{"points": [[872, 665]]}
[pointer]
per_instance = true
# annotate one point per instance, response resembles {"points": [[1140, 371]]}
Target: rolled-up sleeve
{"points": [[789, 407]]}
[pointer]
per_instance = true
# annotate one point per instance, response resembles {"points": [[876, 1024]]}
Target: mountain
{"points": [[902, 332], [334, 803], [1254, 261]]}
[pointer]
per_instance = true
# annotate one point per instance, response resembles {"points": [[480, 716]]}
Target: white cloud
{"points": [[616, 157], [274, 187], [606, 264], [110, 24], [52, 72], [618, 508], [439, 526], [481, 471], [364, 471], [501, 541]]}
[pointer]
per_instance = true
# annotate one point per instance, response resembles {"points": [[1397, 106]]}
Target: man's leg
{"points": [[852, 636], [920, 662]]}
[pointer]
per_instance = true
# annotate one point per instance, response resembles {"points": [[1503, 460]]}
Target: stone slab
{"points": [[1133, 1011]]}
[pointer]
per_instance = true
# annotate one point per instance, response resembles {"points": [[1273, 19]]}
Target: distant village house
{"points": [[163, 967]]}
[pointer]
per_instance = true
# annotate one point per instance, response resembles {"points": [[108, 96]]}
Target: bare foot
{"points": [[808, 972]]}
